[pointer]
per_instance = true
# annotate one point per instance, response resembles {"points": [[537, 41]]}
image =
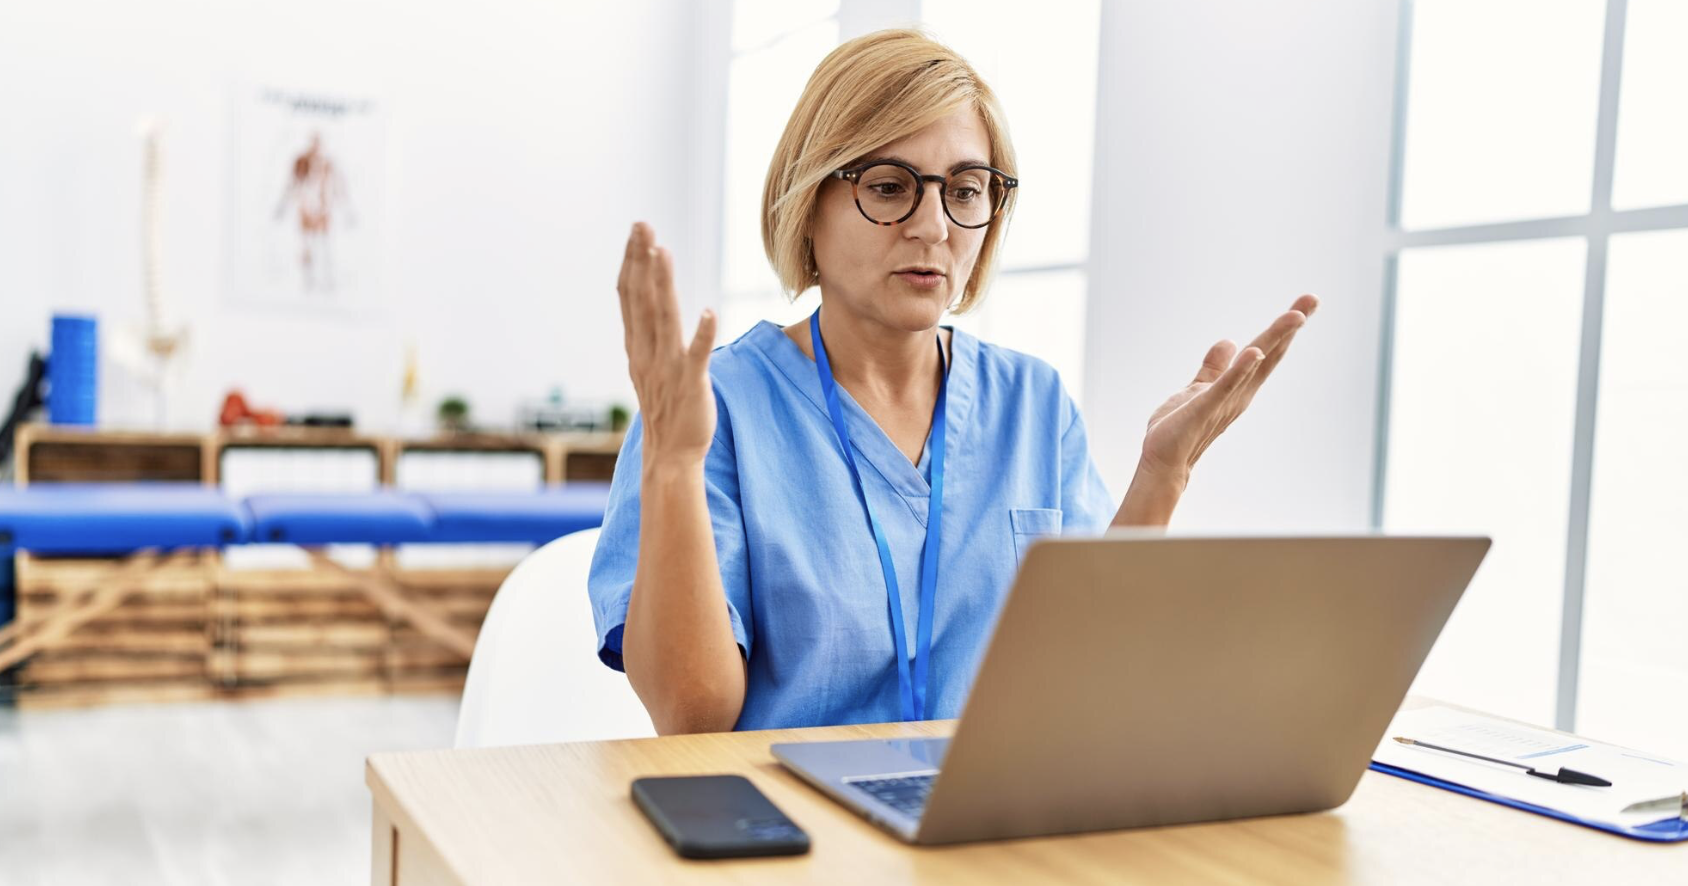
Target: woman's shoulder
{"points": [[752, 357], [760, 373], [1009, 369]]}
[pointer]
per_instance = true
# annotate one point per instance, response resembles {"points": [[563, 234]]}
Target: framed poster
{"points": [[308, 171]]}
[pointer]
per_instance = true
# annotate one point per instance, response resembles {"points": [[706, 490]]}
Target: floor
{"points": [[246, 793]]}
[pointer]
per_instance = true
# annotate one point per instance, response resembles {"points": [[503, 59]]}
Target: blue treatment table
{"points": [[65, 518], [137, 520], [377, 518], [536, 517], [77, 518], [142, 519]]}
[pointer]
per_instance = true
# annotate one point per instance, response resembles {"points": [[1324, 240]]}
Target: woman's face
{"points": [[873, 271]]}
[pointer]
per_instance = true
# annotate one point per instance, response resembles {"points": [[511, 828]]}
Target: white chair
{"points": [[535, 676]]}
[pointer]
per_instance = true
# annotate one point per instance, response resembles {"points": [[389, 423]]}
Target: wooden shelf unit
{"points": [[197, 630]]}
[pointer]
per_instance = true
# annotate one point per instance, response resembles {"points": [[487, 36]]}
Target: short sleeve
{"points": [[1086, 505], [610, 582]]}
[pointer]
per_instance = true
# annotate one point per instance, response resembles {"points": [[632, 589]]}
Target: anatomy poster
{"points": [[308, 198]]}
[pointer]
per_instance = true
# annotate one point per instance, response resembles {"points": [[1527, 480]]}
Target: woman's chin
{"points": [[913, 311]]}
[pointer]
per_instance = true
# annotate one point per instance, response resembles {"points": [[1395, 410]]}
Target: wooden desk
{"points": [[563, 814]]}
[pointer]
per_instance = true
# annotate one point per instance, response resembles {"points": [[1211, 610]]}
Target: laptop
{"points": [[1138, 679]]}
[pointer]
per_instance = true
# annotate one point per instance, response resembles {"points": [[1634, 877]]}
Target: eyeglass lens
{"points": [[887, 193]]}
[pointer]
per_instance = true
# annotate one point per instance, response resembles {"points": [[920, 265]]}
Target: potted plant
{"points": [[454, 415]]}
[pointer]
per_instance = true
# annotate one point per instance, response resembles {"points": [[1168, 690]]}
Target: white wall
{"points": [[522, 138], [1242, 159]]}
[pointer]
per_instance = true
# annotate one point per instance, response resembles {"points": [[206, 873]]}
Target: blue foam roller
{"points": [[73, 369]]}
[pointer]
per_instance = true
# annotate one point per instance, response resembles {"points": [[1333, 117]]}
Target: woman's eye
{"points": [[963, 194], [886, 189]]}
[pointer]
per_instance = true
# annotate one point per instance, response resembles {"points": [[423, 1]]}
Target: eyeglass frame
{"points": [[853, 175]]}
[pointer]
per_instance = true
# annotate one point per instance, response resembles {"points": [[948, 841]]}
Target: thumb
{"points": [[703, 341]]}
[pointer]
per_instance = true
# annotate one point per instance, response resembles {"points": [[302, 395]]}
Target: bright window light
{"points": [[1043, 70], [1501, 107], [1044, 73], [1652, 126], [1040, 313], [1480, 429], [1636, 603], [763, 88]]}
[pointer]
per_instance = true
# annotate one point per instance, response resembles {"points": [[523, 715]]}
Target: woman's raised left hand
{"points": [[1190, 420]]}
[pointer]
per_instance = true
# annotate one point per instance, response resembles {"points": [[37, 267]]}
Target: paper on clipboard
{"points": [[1637, 778]]}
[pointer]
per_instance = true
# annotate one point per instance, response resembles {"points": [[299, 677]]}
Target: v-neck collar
{"points": [[870, 441]]}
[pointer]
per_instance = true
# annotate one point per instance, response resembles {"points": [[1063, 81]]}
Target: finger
{"points": [[627, 257], [1213, 365], [703, 340], [638, 245], [624, 295], [1273, 358], [1244, 377], [1239, 372], [640, 240], [1305, 305], [1252, 385], [626, 325], [641, 328], [1285, 324], [665, 303]]}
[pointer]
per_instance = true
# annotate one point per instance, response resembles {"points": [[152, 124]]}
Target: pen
{"points": [[1677, 804], [1563, 776]]}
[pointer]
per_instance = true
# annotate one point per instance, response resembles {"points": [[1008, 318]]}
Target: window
{"points": [[776, 45], [1652, 130], [1045, 78], [1538, 249], [1500, 110], [1480, 443], [1047, 83], [1636, 590]]}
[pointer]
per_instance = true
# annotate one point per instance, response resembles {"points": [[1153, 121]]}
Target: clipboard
{"points": [[1669, 830]]}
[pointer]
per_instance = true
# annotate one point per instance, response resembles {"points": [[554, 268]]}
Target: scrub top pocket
{"points": [[1030, 524]]}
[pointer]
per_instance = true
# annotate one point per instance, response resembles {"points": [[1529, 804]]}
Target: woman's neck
{"points": [[874, 361]]}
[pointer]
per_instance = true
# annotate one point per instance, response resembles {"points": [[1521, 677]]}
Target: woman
{"points": [[818, 524]]}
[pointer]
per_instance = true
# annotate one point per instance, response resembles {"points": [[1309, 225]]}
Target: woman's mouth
{"points": [[920, 278]]}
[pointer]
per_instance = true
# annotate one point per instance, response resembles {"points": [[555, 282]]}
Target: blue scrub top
{"points": [[804, 588]]}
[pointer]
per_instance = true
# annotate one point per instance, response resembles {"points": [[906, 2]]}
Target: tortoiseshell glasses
{"points": [[889, 191]]}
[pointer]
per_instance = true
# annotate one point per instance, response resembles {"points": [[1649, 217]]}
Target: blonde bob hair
{"points": [[867, 93]]}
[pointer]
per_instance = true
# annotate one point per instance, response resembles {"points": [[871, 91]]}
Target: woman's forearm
{"points": [[677, 645]]}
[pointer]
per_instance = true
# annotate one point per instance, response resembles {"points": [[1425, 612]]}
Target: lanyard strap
{"points": [[912, 688]]}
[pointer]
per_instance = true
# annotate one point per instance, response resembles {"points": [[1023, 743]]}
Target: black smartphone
{"points": [[717, 816]]}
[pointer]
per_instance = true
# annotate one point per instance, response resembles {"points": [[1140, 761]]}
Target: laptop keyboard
{"points": [[904, 793]]}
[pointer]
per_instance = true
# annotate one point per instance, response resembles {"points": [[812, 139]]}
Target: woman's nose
{"points": [[928, 223]]}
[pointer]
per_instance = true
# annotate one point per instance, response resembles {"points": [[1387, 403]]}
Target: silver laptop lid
{"points": [[1141, 679]]}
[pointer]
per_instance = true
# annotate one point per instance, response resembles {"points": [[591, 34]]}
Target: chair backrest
{"points": [[535, 677]]}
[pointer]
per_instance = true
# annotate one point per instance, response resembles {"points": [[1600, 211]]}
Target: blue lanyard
{"points": [[915, 702]]}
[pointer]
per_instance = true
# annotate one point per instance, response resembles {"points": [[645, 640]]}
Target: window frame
{"points": [[1596, 227]]}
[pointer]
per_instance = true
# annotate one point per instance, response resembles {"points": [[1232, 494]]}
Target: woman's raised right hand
{"points": [[670, 375]]}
